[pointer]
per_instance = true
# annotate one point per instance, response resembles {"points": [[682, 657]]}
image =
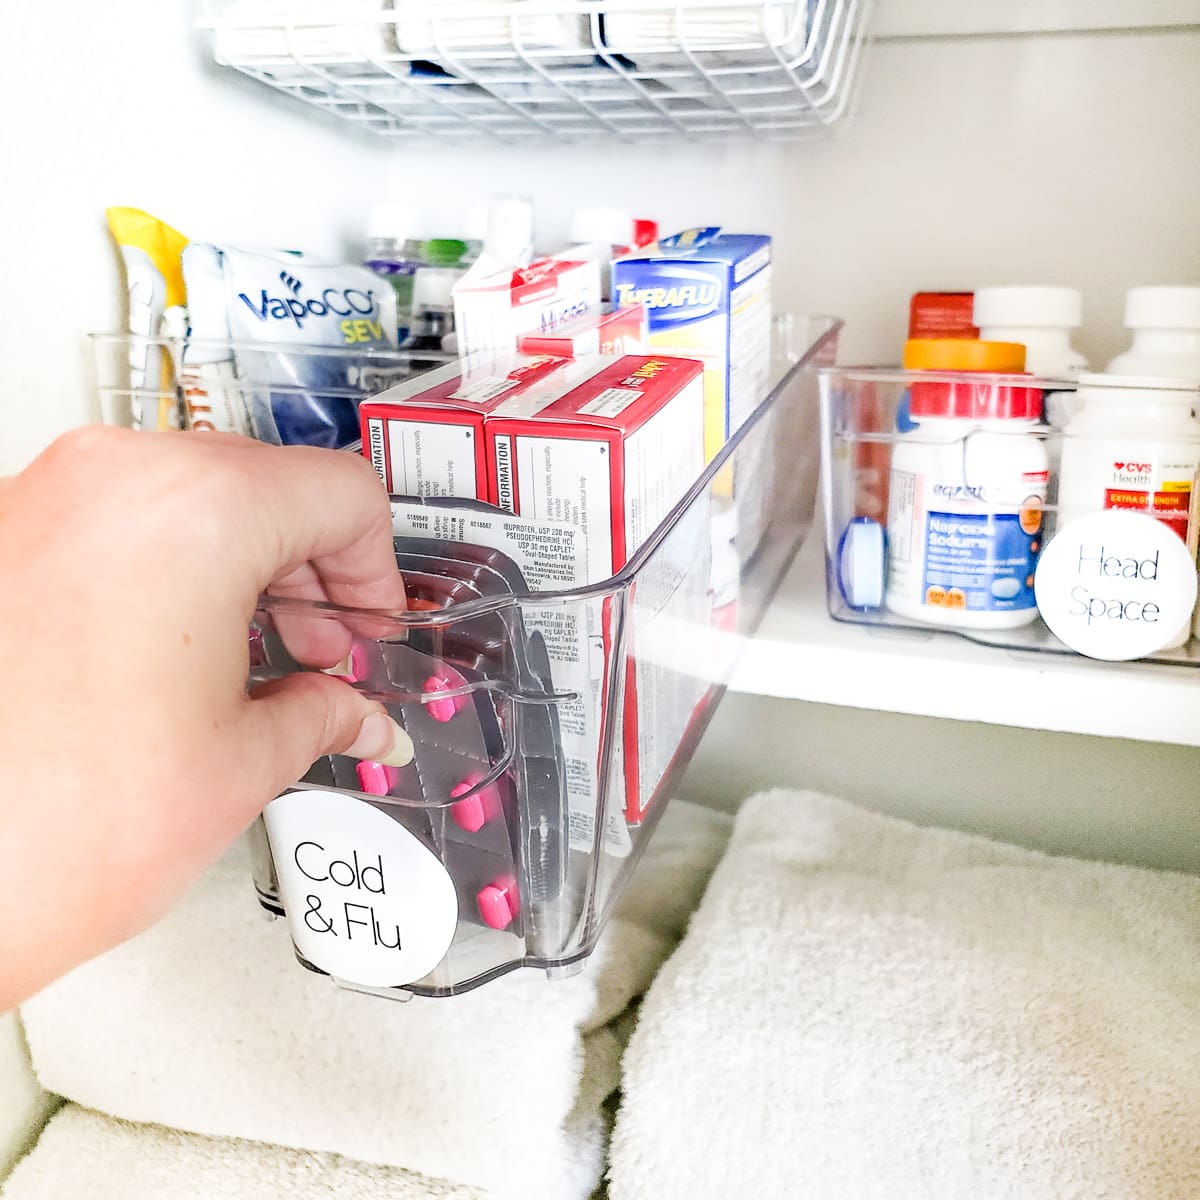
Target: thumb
{"points": [[295, 720]]}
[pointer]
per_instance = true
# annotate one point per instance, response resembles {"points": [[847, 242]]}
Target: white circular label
{"points": [[1116, 585], [365, 899]]}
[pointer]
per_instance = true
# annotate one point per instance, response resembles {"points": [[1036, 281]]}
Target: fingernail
{"points": [[353, 668], [341, 670], [381, 740]]}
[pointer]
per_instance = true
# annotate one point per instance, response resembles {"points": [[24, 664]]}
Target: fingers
{"points": [[313, 639], [329, 509], [290, 723]]}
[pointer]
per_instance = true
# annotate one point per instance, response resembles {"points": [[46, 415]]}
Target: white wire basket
{"points": [[568, 70]]}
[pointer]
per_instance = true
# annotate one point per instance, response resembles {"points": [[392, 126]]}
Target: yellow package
{"points": [[152, 252]]}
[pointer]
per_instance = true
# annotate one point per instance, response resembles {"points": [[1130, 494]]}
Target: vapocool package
{"points": [[268, 301]]}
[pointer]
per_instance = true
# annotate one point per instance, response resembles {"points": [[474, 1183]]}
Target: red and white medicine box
{"points": [[607, 331], [614, 453], [493, 312], [425, 437], [942, 315]]}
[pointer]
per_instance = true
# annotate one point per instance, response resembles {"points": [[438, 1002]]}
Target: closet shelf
{"points": [[800, 653]]}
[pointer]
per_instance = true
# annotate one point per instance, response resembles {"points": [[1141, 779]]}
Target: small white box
{"points": [[492, 313]]}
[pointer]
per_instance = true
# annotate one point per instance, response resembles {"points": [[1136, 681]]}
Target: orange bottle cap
{"points": [[963, 354]]}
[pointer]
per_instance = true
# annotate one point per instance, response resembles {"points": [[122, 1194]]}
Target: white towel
{"points": [[206, 1023], [863, 1009], [86, 1155]]}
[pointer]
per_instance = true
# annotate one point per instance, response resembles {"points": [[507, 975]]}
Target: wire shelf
{"points": [[559, 70]]}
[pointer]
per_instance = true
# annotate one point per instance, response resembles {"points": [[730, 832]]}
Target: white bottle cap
{"points": [[1162, 308], [861, 565], [400, 222], [604, 226], [1112, 385], [509, 228], [1028, 308], [433, 287]]}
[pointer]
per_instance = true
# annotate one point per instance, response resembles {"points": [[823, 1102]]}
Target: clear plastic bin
{"points": [[862, 410], [510, 841], [324, 384]]}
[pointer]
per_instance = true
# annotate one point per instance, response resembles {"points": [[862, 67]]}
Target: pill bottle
{"points": [[966, 489], [433, 316], [395, 252], [1040, 319], [1165, 322], [1133, 443]]}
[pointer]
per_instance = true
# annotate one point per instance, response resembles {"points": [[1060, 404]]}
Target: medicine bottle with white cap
{"points": [[1133, 443], [394, 251], [966, 489], [1166, 334], [1038, 318]]}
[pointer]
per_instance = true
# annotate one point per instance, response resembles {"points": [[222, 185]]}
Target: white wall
{"points": [[1071, 159], [116, 104], [1067, 158], [1085, 796]]}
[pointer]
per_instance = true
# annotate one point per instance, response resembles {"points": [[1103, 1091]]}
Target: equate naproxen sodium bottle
{"points": [[1133, 443], [966, 490]]}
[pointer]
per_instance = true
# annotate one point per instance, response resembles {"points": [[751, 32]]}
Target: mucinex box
{"points": [[492, 313], [613, 455], [425, 437], [613, 452], [708, 296], [609, 330]]}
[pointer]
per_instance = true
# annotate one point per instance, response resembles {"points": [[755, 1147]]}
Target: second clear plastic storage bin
{"points": [[944, 491]]}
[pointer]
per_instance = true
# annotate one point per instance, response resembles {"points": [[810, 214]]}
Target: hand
{"points": [[131, 754]]}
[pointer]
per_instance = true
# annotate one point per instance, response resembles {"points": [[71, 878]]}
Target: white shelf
{"points": [[800, 653], [567, 70]]}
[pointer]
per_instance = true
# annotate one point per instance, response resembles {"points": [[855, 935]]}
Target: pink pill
{"points": [[376, 779], [473, 812], [497, 902], [442, 709]]}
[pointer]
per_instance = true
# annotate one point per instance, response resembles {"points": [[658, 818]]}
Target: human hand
{"points": [[131, 754]]}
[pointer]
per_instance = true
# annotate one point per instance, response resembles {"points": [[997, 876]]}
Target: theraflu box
{"points": [[708, 296]]}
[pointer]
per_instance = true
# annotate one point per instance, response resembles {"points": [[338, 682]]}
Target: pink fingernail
{"points": [[475, 811], [376, 779], [444, 709], [498, 902]]}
